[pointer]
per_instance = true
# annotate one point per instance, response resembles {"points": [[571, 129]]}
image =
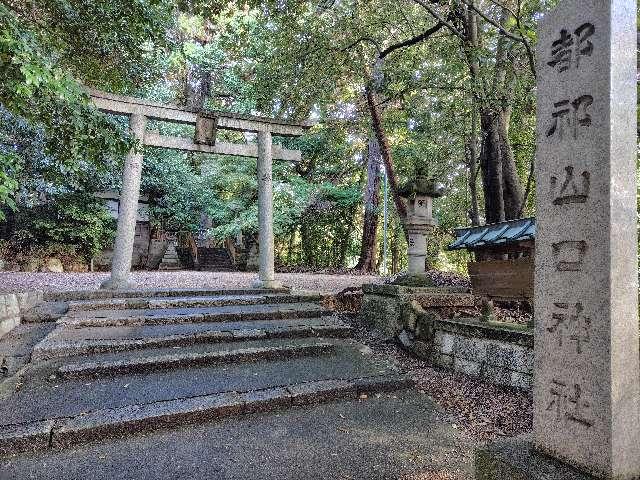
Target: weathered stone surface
{"points": [[266, 400], [8, 324], [587, 388], [515, 459], [322, 391], [392, 308], [467, 349], [467, 367], [25, 438], [13, 306], [448, 341], [266, 274], [45, 312], [128, 213], [389, 289], [497, 375], [139, 418], [382, 312], [469, 327], [145, 363], [521, 380]]}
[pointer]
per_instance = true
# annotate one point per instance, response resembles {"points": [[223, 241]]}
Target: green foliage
{"points": [[55, 147], [77, 220], [176, 191]]}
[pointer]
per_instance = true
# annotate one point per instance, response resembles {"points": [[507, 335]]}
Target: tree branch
{"points": [[439, 17], [411, 41]]}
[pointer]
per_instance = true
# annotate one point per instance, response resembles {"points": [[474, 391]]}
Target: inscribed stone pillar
{"points": [[587, 372], [128, 213], [266, 275]]}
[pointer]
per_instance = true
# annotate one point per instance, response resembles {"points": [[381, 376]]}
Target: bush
{"points": [[76, 222]]}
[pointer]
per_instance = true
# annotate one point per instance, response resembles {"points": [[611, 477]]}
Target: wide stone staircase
{"points": [[127, 362]]}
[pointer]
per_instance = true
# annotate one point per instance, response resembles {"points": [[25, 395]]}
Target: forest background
{"points": [[443, 88]]}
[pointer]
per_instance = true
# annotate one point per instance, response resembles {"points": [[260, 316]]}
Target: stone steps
{"points": [[125, 363], [116, 422], [93, 340], [164, 316], [187, 301], [77, 295], [43, 394], [176, 360]]}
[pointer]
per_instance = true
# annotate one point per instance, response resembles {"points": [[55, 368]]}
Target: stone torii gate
{"points": [[206, 125]]}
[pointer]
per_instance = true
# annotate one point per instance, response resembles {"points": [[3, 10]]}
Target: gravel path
{"points": [[323, 283]]}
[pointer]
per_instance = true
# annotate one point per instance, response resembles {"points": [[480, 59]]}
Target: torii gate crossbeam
{"points": [[206, 125]]}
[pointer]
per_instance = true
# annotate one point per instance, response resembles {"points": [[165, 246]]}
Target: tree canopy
{"points": [[443, 87]]}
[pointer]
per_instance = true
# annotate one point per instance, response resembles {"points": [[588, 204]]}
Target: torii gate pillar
{"points": [[128, 211], [266, 275]]}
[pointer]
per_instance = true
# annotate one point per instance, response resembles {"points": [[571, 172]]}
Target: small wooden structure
{"points": [[504, 252]]}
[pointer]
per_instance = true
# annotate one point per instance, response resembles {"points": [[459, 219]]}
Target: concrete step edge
{"points": [[50, 349], [285, 314], [100, 424], [189, 301], [157, 292], [191, 359]]}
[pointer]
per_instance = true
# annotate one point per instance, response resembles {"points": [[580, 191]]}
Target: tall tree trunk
{"points": [[385, 150], [472, 161], [371, 200], [501, 184]]}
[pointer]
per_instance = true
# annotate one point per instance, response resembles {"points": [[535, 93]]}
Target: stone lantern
{"points": [[418, 195]]}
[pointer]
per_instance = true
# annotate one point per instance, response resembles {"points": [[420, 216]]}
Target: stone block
{"points": [[523, 381], [140, 418], [497, 375], [382, 312], [442, 300], [25, 437], [515, 459], [8, 324], [322, 391], [448, 341], [11, 306], [500, 354], [266, 400], [467, 367], [523, 359], [469, 349], [587, 392], [445, 361], [28, 300]]}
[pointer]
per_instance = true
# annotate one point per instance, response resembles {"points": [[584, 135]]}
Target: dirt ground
{"points": [[323, 283]]}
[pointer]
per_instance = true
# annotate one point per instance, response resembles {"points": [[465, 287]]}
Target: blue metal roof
{"points": [[496, 234]]}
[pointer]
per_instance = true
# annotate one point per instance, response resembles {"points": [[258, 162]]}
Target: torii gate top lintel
{"points": [[124, 105], [206, 122]]}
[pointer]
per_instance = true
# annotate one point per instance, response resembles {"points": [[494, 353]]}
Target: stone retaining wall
{"points": [[13, 306], [496, 353]]}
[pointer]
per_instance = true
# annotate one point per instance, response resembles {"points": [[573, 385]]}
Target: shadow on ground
{"points": [[390, 436]]}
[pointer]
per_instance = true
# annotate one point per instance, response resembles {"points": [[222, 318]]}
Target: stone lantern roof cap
{"points": [[421, 186]]}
